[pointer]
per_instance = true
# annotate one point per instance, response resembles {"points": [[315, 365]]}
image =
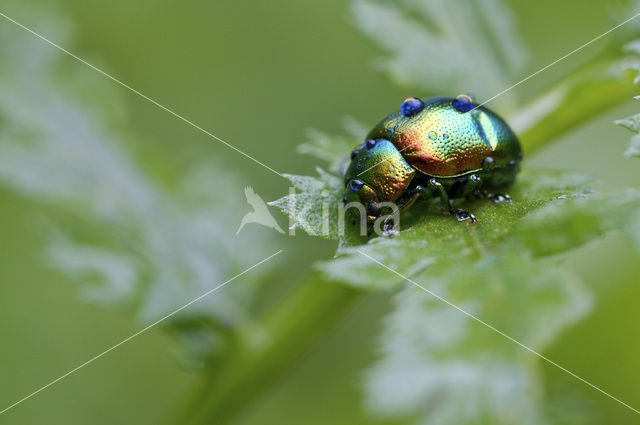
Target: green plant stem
{"points": [[263, 354], [571, 103]]}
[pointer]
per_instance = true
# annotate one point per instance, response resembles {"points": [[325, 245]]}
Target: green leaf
{"points": [[458, 45], [575, 220], [325, 147], [432, 237], [314, 206], [440, 365], [632, 123], [506, 271], [581, 96]]}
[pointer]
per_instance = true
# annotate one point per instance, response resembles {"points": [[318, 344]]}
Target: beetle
{"points": [[440, 147]]}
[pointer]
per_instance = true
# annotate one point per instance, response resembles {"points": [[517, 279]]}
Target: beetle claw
{"points": [[390, 233], [389, 229], [462, 215]]}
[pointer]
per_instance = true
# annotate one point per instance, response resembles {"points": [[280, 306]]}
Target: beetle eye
{"points": [[411, 106], [356, 185], [354, 153], [463, 103]]}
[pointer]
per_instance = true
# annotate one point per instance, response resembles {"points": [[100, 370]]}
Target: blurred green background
{"points": [[258, 74]]}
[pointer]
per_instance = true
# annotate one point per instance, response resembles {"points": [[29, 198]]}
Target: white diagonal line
{"points": [[559, 60], [137, 333], [534, 74], [531, 350], [175, 114]]}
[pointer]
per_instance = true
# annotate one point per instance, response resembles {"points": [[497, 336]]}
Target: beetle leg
{"points": [[471, 187], [460, 215], [415, 194], [444, 198], [389, 226], [488, 166]]}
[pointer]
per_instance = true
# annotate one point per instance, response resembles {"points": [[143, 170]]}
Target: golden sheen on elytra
{"points": [[445, 147]]}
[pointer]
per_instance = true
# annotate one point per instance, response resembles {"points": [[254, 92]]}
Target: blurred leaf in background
{"points": [[124, 234], [445, 46], [631, 123]]}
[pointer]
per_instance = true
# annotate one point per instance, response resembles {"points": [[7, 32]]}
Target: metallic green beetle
{"points": [[444, 147]]}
